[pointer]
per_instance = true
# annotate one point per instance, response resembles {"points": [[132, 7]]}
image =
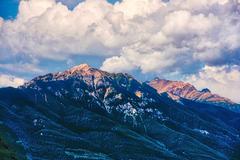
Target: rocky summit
{"points": [[86, 113], [177, 90]]}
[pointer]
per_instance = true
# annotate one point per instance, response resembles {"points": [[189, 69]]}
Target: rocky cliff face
{"points": [[86, 113], [178, 89]]}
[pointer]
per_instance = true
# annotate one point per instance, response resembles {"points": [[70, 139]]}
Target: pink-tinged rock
{"points": [[185, 90]]}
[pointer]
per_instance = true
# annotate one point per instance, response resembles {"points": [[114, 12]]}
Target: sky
{"points": [[188, 40]]}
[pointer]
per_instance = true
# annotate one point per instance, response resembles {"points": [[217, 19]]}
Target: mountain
{"points": [[86, 113], [177, 90], [9, 150]]}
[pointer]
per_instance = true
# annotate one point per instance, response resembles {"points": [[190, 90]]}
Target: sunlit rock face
{"points": [[179, 89], [86, 113]]}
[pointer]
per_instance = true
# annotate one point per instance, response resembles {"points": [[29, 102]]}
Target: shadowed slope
{"points": [[88, 113]]}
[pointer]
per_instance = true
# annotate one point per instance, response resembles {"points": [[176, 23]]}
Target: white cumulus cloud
{"points": [[224, 80], [9, 80], [117, 64], [203, 31]]}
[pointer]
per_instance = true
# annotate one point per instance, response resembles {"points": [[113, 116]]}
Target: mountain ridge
{"points": [[84, 112], [172, 87], [179, 89]]}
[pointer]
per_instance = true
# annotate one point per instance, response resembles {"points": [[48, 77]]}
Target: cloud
{"points": [[163, 37], [224, 80], [9, 80], [183, 33], [47, 29], [117, 64], [21, 68], [140, 32], [1, 21]]}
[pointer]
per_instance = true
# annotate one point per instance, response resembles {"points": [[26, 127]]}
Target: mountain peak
{"points": [[163, 85], [187, 91], [81, 67], [85, 70], [205, 90], [82, 70]]}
